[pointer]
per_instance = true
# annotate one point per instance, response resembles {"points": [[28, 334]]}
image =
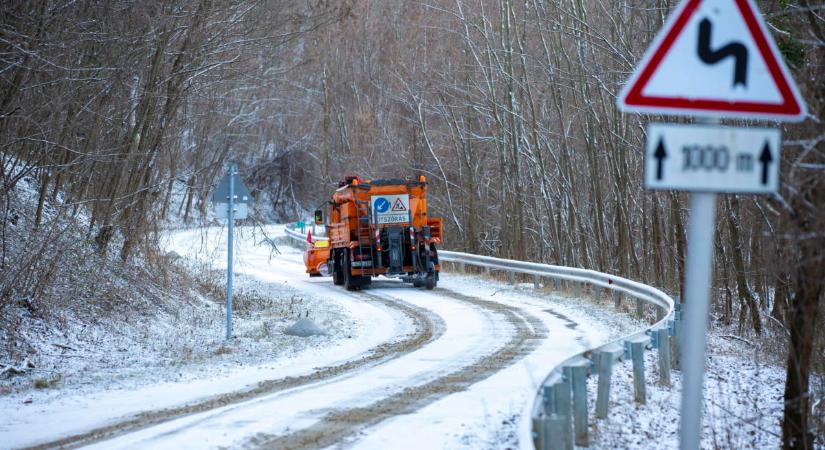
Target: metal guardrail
{"points": [[559, 412]]}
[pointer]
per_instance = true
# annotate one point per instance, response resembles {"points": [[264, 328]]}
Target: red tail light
{"points": [[412, 238], [378, 239]]}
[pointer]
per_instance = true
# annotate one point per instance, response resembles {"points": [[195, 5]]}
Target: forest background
{"points": [[117, 108]]}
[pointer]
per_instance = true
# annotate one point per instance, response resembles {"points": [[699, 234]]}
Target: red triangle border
{"points": [[790, 106]]}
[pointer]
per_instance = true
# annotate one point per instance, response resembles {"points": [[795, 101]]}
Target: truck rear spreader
{"points": [[378, 227]]}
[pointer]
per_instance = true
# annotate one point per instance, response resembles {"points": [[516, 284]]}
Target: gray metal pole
{"points": [[664, 356], [554, 433], [580, 424], [603, 391], [637, 355], [563, 407], [231, 215], [678, 328], [697, 291]]}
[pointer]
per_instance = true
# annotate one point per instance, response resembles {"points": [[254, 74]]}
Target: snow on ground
{"points": [[468, 419], [468, 334], [744, 396], [742, 407], [492, 414], [743, 393], [119, 380]]}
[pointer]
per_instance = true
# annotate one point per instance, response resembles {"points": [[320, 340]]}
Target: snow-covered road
{"points": [[450, 368]]}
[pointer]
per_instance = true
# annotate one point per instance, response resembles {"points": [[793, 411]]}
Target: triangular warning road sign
{"points": [[714, 58], [399, 206]]}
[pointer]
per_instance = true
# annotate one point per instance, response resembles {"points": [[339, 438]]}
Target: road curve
{"points": [[458, 341], [343, 423], [427, 327], [478, 337]]}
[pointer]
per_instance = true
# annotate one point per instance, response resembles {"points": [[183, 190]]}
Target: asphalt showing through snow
{"points": [[340, 424]]}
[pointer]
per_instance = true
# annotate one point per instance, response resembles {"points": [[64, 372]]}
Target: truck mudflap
{"points": [[395, 240]]}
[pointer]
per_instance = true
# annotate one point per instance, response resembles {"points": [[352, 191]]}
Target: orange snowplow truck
{"points": [[378, 227]]}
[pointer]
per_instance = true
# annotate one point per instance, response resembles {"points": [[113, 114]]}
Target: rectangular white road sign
{"points": [[391, 208], [711, 158]]}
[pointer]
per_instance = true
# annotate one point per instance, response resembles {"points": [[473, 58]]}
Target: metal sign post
{"points": [[230, 198], [229, 250], [698, 277]]}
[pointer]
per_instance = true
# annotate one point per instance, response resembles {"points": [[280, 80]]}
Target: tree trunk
{"points": [[795, 434], [808, 291], [739, 265]]}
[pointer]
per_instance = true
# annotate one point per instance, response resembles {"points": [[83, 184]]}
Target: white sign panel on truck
{"points": [[391, 208]]}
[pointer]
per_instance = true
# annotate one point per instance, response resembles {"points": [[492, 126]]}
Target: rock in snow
{"points": [[304, 328]]}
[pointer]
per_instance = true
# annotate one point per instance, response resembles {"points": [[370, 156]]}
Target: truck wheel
{"points": [[431, 282], [337, 278], [350, 281]]}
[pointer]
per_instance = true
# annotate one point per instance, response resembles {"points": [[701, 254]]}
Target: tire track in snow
{"points": [[339, 425], [428, 326]]}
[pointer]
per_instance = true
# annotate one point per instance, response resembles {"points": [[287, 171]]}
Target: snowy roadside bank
{"points": [[743, 390], [742, 409], [158, 361]]}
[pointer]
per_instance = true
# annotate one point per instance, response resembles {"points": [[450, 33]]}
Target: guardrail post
{"points": [[579, 375], [577, 290], [637, 354], [603, 391], [664, 356], [555, 284], [597, 292], [553, 432], [551, 435], [617, 299], [640, 312], [486, 271], [511, 277], [563, 397], [676, 343], [541, 426], [536, 281], [539, 432], [461, 268]]}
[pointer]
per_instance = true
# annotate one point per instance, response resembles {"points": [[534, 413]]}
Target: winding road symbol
{"points": [[714, 58], [735, 50]]}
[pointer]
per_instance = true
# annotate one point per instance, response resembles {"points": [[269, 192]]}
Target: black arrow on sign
{"points": [[765, 158], [660, 154], [734, 49]]}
